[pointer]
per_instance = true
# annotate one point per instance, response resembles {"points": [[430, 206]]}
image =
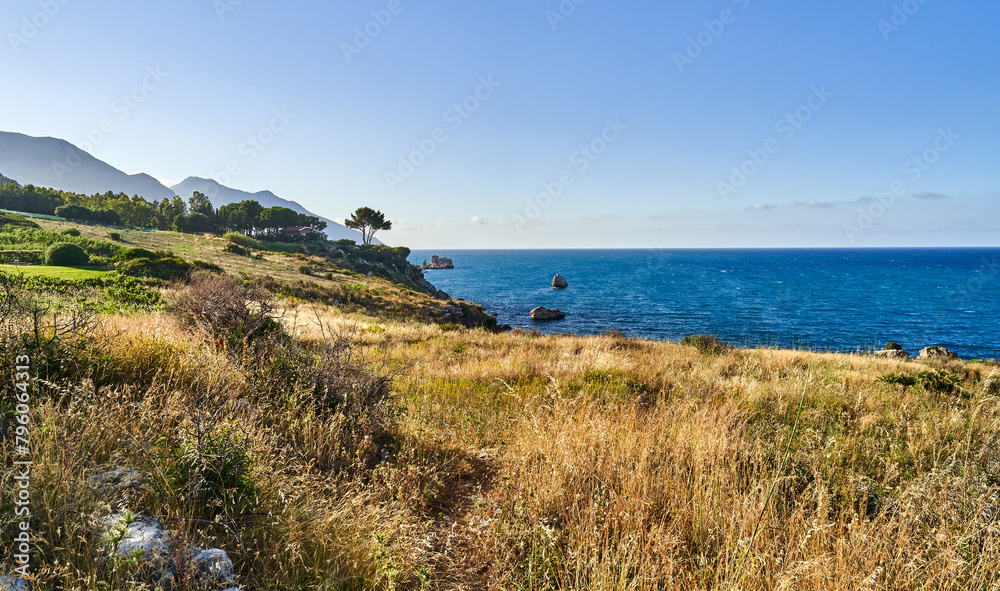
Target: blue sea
{"points": [[829, 300]]}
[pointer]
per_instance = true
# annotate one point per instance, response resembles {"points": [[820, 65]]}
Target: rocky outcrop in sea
{"points": [[937, 352], [542, 314], [439, 263]]}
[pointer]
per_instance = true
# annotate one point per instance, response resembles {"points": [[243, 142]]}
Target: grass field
{"points": [[359, 294], [210, 249], [537, 462], [68, 273], [359, 451]]}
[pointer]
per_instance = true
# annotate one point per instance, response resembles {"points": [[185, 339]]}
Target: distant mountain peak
{"points": [[6, 181], [56, 163]]}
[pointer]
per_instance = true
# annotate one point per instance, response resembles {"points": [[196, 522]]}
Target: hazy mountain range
{"points": [[222, 195], [56, 163]]}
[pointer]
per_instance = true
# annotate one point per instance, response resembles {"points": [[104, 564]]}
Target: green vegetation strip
{"points": [[67, 273]]}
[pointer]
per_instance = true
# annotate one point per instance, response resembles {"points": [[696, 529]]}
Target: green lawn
{"points": [[72, 273]]}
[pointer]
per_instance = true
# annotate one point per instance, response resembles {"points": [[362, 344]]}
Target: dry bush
{"points": [[342, 396], [228, 467], [224, 307]]}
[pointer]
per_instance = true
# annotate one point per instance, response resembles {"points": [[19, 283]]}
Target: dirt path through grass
{"points": [[459, 523]]}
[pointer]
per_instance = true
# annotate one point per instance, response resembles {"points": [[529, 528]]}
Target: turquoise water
{"points": [[836, 300]]}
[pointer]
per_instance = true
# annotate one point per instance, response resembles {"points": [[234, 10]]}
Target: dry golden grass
{"points": [[554, 462], [621, 464]]}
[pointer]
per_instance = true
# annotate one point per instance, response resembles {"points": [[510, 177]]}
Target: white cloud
{"points": [[477, 221], [761, 207], [814, 203]]}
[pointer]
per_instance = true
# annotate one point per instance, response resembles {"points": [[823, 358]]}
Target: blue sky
{"points": [[599, 124]]}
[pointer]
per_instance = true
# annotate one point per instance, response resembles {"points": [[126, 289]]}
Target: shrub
{"points": [[355, 392], [71, 232], [206, 266], [211, 472], [305, 269], [241, 239], [131, 254], [935, 382], [939, 382], [893, 346], [252, 243], [903, 380], [224, 307], [64, 254], [160, 268], [705, 343], [237, 250], [991, 385], [115, 236]]}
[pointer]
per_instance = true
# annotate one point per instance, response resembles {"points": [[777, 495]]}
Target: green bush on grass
{"points": [[64, 254]]}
